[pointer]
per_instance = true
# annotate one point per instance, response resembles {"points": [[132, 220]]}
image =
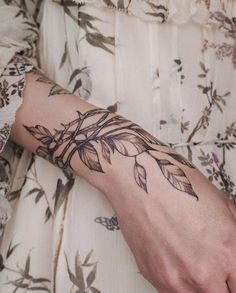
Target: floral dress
{"points": [[168, 65]]}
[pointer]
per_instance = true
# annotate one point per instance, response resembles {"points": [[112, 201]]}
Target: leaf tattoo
{"points": [[106, 152], [127, 144], [55, 88], [176, 177], [140, 176], [100, 129], [181, 159], [89, 157]]}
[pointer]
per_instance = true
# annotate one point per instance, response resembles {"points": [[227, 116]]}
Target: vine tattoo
{"points": [[55, 88], [109, 134]]}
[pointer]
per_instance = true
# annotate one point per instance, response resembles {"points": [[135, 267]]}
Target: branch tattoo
{"points": [[110, 133], [55, 88]]}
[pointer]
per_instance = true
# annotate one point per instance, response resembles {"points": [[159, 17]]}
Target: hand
{"points": [[182, 245], [180, 228]]}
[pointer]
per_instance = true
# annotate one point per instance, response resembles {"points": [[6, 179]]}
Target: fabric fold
{"points": [[203, 12], [18, 33], [12, 84]]}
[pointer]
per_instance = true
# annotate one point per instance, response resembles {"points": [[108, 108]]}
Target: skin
{"points": [[180, 228]]}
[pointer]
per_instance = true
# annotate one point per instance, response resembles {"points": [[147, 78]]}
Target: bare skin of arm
{"points": [[180, 228]]}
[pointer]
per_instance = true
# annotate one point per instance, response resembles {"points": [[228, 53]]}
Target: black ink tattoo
{"points": [[110, 223], [112, 133], [55, 88]]}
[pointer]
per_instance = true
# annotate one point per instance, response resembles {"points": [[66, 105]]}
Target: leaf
{"points": [[79, 272], [147, 136], [106, 152], [38, 288], [57, 90], [202, 75], [94, 290], [206, 90], [40, 280], [98, 40], [41, 133], [157, 7], [27, 265], [62, 191], [184, 126], [72, 277], [227, 94], [200, 86], [181, 160], [1, 263], [176, 177], [48, 214], [78, 84], [5, 83], [203, 67], [112, 108], [86, 19], [19, 284], [11, 249], [44, 153], [104, 116], [140, 176], [74, 74], [120, 4], [109, 3], [93, 112], [159, 14], [44, 79], [39, 195], [89, 157], [33, 190], [69, 3], [177, 61], [218, 106], [64, 56], [127, 144], [87, 258], [91, 277]]}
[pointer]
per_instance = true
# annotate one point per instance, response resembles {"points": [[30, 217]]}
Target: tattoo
{"points": [[110, 133], [110, 223], [55, 88]]}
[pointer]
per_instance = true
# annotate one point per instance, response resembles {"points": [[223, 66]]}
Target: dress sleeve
{"points": [[18, 37], [18, 43]]}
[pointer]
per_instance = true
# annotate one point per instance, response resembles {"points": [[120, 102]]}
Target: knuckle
{"points": [[201, 276], [172, 280]]}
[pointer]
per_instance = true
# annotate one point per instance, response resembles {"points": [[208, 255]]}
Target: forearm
{"points": [[109, 151], [168, 212]]}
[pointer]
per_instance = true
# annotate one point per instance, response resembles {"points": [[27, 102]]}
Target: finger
{"points": [[174, 291], [231, 283], [189, 290], [216, 288]]}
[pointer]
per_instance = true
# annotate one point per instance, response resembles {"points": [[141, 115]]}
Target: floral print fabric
{"points": [[12, 84], [166, 65]]}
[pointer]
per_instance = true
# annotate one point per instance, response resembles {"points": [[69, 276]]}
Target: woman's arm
{"points": [[180, 228]]}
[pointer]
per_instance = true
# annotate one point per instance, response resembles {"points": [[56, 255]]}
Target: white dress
{"points": [[169, 66]]}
